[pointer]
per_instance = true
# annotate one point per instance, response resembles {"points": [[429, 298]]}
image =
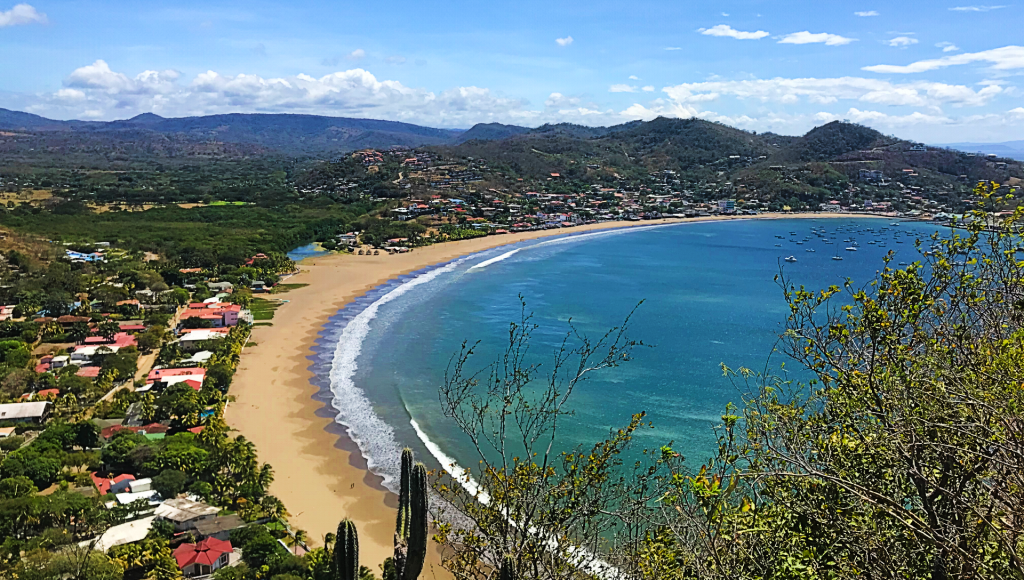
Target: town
{"points": [[115, 376]]}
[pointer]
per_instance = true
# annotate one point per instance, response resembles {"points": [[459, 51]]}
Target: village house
{"points": [[35, 412], [185, 513], [203, 558], [194, 376], [193, 340], [219, 314]]}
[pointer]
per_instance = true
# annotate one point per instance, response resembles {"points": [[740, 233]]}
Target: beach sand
{"points": [[319, 474]]}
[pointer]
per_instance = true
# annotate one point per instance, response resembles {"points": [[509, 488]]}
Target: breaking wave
{"points": [[375, 438]]}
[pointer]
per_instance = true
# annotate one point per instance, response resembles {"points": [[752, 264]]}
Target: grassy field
{"points": [[282, 288], [221, 202], [262, 309]]}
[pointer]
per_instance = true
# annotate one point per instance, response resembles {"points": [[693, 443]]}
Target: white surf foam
{"points": [[581, 556], [607, 232], [486, 263], [375, 438]]}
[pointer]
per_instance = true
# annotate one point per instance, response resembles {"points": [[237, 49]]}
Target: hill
{"points": [[288, 134], [491, 132], [623, 151], [1011, 149], [830, 141]]}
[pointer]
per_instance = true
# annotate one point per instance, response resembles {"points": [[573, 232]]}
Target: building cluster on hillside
{"points": [[467, 193]]}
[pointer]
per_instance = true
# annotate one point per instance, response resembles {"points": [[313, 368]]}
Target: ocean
{"points": [[709, 297]]}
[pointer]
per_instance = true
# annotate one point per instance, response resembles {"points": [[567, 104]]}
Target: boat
{"points": [[778, 245], [791, 259], [851, 249], [837, 257], [809, 250]]}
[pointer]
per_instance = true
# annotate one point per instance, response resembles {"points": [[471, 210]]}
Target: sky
{"points": [[938, 71]]}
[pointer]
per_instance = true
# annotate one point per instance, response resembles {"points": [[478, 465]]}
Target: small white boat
{"points": [[791, 259], [809, 250], [851, 249], [837, 257]]}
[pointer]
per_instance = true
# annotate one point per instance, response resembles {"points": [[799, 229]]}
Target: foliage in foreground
{"points": [[902, 458]]}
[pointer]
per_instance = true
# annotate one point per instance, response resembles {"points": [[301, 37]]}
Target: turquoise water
{"points": [[709, 298]]}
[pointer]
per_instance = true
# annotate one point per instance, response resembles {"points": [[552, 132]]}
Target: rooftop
{"points": [[184, 509]]}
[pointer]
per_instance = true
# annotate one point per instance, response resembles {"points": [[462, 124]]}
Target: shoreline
{"points": [[320, 474]]}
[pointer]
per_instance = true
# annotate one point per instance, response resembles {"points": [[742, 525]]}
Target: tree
{"points": [[73, 562], [219, 376], [15, 487], [108, 328], [170, 482], [79, 331], [241, 297], [177, 296], [152, 339], [87, 435], [559, 513]]}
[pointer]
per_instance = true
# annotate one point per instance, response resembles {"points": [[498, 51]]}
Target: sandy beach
{"points": [[319, 473]]}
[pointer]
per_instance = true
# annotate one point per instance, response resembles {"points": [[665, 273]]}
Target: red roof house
{"points": [[118, 483], [88, 372], [204, 557], [162, 375]]}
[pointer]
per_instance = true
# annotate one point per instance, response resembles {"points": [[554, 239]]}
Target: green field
{"points": [[262, 309], [222, 202], [282, 288]]}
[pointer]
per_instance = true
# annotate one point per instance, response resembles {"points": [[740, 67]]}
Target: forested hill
{"points": [[703, 151], [284, 133], [696, 149]]}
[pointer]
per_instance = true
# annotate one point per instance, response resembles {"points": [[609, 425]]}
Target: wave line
{"points": [[375, 438], [486, 263]]}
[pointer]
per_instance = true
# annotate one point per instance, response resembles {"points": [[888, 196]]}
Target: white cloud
{"points": [[806, 37], [902, 41], [830, 90], [1005, 58], [673, 48], [395, 60], [621, 89], [634, 78], [877, 118], [564, 41], [357, 54], [947, 46], [21, 14], [866, 13], [975, 8], [783, 105], [70, 94], [726, 30], [558, 100], [99, 77], [105, 93]]}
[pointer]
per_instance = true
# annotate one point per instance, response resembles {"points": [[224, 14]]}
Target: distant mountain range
{"points": [[702, 149], [1011, 149], [290, 134]]}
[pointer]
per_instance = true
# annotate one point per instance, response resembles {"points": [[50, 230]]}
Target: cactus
{"points": [[507, 570], [346, 552], [411, 524]]}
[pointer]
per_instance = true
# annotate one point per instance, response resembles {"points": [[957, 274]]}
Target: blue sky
{"points": [[931, 70]]}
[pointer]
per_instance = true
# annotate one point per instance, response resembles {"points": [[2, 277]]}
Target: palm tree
{"points": [[79, 331]]}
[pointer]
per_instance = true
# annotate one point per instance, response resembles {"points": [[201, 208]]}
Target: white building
{"points": [[35, 412]]}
